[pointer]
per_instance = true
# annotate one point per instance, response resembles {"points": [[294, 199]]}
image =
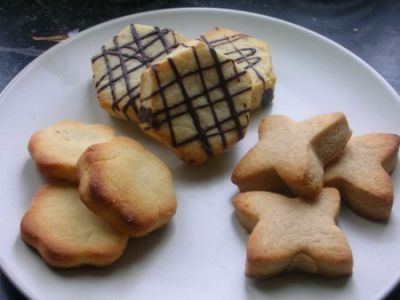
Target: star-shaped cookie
{"points": [[360, 173], [292, 153], [293, 234]]}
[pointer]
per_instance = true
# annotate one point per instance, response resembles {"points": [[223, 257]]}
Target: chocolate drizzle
{"points": [[187, 105], [135, 50], [247, 57]]}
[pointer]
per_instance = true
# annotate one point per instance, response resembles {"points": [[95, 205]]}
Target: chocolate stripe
{"points": [[124, 73], [165, 103], [109, 74]]}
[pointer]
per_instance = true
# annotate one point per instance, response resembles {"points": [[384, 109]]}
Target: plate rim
{"points": [[385, 290]]}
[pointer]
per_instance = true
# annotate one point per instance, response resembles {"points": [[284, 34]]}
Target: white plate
{"points": [[201, 254]]}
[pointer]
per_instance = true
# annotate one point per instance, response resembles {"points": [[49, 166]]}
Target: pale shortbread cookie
{"points": [[66, 233], [293, 234], [118, 66], [127, 185], [360, 173], [292, 154], [249, 53], [57, 148], [196, 101]]}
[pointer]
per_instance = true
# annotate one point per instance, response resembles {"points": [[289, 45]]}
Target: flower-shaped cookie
{"points": [[67, 234], [57, 148], [126, 185]]}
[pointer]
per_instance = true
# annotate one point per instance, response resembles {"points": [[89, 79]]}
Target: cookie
{"points": [[57, 148], [196, 101], [67, 234], [126, 185], [292, 154], [118, 66], [360, 173], [249, 53], [293, 234]]}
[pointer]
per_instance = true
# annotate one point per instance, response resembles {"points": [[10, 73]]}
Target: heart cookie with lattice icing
{"points": [[196, 100]]}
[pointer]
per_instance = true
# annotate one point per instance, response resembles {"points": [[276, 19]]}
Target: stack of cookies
{"points": [[194, 96], [107, 189], [317, 161]]}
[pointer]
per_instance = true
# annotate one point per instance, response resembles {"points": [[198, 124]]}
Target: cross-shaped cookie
{"points": [[293, 234], [360, 173], [292, 153]]}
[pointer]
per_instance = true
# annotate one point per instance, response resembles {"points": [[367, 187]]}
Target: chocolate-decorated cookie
{"points": [[196, 100], [118, 66], [249, 53]]}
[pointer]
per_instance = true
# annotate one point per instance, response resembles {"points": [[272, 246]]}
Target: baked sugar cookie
{"points": [[252, 55], [292, 154], [57, 148], [196, 100], [126, 185], [361, 174], [293, 234], [118, 66], [67, 234]]}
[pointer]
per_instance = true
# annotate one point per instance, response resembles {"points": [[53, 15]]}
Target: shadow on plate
{"points": [[137, 250], [221, 165], [241, 232], [218, 166], [284, 280], [364, 228], [31, 179]]}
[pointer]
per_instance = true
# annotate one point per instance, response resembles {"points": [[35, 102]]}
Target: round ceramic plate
{"points": [[201, 254]]}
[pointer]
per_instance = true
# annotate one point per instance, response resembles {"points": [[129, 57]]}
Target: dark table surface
{"points": [[369, 28]]}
